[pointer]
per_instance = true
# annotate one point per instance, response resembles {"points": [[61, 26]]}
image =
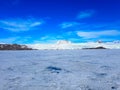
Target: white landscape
{"points": [[59, 44], [60, 70], [64, 44]]}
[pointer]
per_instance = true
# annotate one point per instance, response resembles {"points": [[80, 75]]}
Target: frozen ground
{"points": [[60, 70]]}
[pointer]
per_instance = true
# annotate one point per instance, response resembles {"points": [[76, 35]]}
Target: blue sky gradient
{"points": [[46, 21]]}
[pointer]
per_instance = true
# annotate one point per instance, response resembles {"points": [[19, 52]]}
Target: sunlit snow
{"points": [[63, 44]]}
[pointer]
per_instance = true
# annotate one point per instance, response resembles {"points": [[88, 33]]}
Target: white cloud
{"points": [[16, 39], [97, 34], [69, 24], [17, 25], [51, 38], [85, 14]]}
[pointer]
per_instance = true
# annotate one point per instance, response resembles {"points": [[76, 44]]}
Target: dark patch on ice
{"points": [[106, 67], [10, 69], [34, 63], [33, 78], [93, 62], [57, 70], [10, 87], [113, 87], [54, 69], [86, 88], [100, 75]]}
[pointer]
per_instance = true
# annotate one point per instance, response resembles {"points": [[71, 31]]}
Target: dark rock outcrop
{"points": [[14, 47], [96, 48]]}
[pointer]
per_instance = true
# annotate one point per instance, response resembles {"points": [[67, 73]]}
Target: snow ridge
{"points": [[64, 44]]}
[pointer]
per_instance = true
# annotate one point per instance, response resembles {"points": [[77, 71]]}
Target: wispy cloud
{"points": [[69, 24], [97, 34], [17, 25], [49, 38], [85, 14], [8, 40], [15, 39]]}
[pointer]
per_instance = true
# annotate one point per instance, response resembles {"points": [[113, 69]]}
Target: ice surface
{"points": [[60, 70]]}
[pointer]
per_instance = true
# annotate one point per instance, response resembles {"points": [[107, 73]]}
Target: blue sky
{"points": [[46, 21]]}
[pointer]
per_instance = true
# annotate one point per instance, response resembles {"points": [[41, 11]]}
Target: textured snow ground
{"points": [[60, 70]]}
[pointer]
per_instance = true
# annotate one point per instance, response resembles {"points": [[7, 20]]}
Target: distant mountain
{"points": [[64, 44], [96, 48], [14, 47], [61, 42]]}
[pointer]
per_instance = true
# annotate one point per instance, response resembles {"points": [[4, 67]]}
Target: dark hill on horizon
{"points": [[14, 47]]}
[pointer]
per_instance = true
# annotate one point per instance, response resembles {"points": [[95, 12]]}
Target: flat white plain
{"points": [[60, 70]]}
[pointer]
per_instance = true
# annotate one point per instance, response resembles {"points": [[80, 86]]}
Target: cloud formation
{"points": [[17, 25], [69, 24], [85, 14], [16, 39], [97, 34]]}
